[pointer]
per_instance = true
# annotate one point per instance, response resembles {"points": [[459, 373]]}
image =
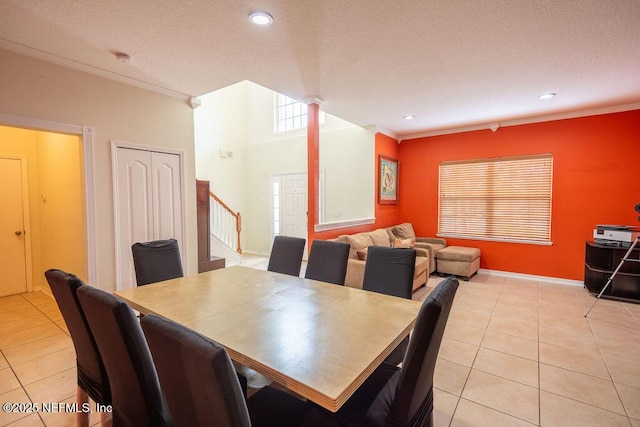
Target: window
{"points": [[497, 199], [291, 114]]}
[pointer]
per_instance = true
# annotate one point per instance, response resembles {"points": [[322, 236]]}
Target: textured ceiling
{"points": [[452, 63]]}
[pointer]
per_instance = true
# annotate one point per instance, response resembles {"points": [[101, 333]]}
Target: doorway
{"points": [[51, 202]]}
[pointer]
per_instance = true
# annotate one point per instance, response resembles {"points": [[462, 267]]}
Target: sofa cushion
{"points": [[458, 253], [380, 237], [356, 242], [389, 231], [422, 264], [362, 254], [404, 243], [404, 231]]}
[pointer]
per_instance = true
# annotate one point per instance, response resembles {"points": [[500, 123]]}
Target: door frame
{"points": [[115, 145], [86, 135], [26, 218]]}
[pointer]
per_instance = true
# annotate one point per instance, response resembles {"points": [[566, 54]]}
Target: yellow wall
{"points": [[41, 90], [62, 203], [57, 226], [22, 143]]}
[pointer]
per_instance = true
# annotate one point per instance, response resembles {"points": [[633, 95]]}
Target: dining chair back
{"points": [[404, 396], [390, 271], [413, 394], [196, 374], [136, 394], [156, 261], [328, 261], [202, 387], [286, 255], [93, 381]]}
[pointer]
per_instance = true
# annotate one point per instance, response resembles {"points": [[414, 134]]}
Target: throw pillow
{"points": [[404, 243], [404, 231], [357, 242], [362, 254]]}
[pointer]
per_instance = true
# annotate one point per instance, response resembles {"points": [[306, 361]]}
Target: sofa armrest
{"points": [[431, 250], [434, 240], [425, 247], [355, 273], [423, 252]]}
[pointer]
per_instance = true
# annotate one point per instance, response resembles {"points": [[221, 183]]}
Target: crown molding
{"points": [[388, 133], [524, 121], [79, 66]]}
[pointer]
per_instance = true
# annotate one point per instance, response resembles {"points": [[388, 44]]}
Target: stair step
{"points": [[213, 263]]}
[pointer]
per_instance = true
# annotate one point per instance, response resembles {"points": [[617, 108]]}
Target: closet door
{"points": [[166, 196], [148, 203]]}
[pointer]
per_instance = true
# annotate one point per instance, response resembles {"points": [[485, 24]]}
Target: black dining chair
{"points": [[394, 396], [93, 381], [328, 261], [156, 261], [390, 271], [286, 255], [202, 388], [136, 394]]}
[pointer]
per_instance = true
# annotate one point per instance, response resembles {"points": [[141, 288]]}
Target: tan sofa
{"points": [[431, 244], [379, 237]]}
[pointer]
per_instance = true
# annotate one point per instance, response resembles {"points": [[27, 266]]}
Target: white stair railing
{"points": [[225, 223]]}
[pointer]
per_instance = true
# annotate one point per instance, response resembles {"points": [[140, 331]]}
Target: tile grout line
{"points": [[474, 360], [497, 376], [604, 360], [24, 390], [14, 373], [44, 314], [539, 361]]}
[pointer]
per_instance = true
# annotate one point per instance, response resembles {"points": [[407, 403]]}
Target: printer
{"points": [[615, 235]]}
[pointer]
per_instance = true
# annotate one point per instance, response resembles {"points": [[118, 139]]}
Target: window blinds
{"points": [[497, 199]]}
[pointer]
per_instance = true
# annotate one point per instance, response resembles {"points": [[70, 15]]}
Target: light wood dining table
{"points": [[319, 340]]}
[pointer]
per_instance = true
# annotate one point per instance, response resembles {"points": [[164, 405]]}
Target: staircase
{"points": [[218, 230]]}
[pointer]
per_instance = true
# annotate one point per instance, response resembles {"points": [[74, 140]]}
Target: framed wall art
{"points": [[387, 180]]}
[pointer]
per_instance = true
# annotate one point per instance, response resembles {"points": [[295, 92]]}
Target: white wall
{"points": [[37, 89], [347, 159], [241, 118], [220, 123]]}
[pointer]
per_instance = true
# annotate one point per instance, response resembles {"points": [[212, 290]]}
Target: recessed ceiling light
{"points": [[123, 57], [261, 18], [547, 95], [409, 117]]}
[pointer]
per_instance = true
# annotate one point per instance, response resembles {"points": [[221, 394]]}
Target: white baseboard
{"points": [[547, 279], [255, 252]]}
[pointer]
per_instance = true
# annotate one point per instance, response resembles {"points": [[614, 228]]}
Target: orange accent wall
{"points": [[596, 180], [386, 215]]}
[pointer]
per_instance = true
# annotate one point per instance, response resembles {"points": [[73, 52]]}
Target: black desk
{"points": [[601, 261]]}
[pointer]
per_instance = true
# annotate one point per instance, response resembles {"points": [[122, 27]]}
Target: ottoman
{"points": [[459, 261]]}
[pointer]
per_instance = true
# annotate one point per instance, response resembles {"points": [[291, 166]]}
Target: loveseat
{"points": [[425, 252]]}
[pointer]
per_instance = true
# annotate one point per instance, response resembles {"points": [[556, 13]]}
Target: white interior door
{"points": [[13, 262], [148, 187], [166, 196], [293, 202]]}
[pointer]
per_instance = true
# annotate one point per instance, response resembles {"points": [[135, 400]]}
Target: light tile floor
{"points": [[515, 353]]}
